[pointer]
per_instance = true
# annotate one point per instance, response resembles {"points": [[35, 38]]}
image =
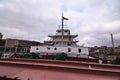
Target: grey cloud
{"points": [[92, 20]]}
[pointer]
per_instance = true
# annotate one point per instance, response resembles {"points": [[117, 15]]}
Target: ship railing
{"points": [[76, 40], [7, 55], [49, 39]]}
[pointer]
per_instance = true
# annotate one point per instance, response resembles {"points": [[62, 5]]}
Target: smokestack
{"points": [[112, 39]]}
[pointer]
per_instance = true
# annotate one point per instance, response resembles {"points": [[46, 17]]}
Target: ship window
{"points": [[69, 49], [56, 42], [48, 48], [69, 44], [66, 31], [79, 50], [59, 31], [55, 48], [37, 48]]}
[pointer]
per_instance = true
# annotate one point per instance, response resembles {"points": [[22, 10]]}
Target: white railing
{"points": [[7, 55]]}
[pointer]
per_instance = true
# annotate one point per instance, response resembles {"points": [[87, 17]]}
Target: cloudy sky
{"points": [[92, 20]]}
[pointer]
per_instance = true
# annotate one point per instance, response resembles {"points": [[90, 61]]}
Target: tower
{"points": [[112, 40]]}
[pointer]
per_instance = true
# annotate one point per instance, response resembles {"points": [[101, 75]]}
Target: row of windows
{"points": [[69, 49], [47, 48], [59, 31], [3, 49]]}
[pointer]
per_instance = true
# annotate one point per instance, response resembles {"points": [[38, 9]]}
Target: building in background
{"points": [[11, 43], [16, 45], [2, 42], [1, 36], [21, 43]]}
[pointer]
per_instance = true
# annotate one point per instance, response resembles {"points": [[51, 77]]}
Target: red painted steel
{"points": [[38, 70], [70, 63]]}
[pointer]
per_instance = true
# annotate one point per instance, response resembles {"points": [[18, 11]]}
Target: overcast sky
{"points": [[92, 20]]}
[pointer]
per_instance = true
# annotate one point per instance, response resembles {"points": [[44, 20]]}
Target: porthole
{"points": [[55, 48], [37, 48]]}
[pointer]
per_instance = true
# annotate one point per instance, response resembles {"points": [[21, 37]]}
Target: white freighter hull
{"points": [[53, 49]]}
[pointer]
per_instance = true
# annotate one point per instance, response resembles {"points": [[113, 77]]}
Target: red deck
{"points": [[57, 70]]}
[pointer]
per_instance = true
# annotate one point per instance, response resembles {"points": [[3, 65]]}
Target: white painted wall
{"points": [[84, 50]]}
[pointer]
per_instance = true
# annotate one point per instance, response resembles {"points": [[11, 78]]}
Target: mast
{"points": [[62, 26], [63, 18]]}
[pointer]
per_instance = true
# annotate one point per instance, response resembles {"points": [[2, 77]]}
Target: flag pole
{"points": [[62, 25], [62, 21]]}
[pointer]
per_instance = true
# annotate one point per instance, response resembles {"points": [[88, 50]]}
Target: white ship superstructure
{"points": [[62, 41]]}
